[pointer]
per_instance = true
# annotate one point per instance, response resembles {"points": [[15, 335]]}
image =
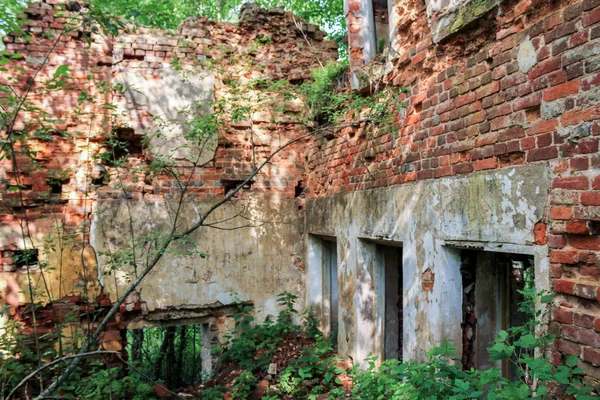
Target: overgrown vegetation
{"points": [[306, 366], [304, 360], [37, 360], [442, 377], [314, 369]]}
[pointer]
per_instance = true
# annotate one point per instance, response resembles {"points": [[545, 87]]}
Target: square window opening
{"points": [[26, 258], [178, 355]]}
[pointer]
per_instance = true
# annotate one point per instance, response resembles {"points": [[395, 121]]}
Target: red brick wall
{"points": [[470, 109], [226, 46], [77, 127]]}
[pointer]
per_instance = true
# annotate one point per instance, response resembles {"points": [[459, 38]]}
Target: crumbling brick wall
{"points": [[517, 86], [78, 118]]}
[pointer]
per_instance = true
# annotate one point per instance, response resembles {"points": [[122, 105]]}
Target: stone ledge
{"points": [[447, 22]]}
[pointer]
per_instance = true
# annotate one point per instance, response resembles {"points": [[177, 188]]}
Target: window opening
{"points": [[56, 185], [127, 144], [26, 258], [299, 189], [232, 184], [173, 354]]}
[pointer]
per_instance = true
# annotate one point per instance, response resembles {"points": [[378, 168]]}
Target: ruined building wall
{"points": [[497, 149], [78, 210]]}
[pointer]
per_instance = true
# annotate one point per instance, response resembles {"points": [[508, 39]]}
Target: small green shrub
{"points": [[243, 385], [108, 384]]}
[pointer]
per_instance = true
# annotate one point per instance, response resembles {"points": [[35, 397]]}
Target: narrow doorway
{"points": [[390, 266], [331, 286], [491, 297]]}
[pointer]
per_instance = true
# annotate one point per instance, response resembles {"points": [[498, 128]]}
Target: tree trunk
{"points": [[137, 345], [170, 337], [161, 355], [179, 372]]}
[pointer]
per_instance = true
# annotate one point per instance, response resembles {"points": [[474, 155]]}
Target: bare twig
{"points": [[173, 236], [57, 361]]}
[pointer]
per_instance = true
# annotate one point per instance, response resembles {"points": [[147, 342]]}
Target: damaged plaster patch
{"points": [[173, 98], [577, 133], [497, 209], [241, 264], [526, 57]]}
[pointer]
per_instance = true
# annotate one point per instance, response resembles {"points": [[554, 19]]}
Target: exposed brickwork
{"points": [[266, 44], [472, 106], [475, 103]]}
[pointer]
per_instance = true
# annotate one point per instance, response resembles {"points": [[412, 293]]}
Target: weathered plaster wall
{"points": [[176, 97], [517, 85], [146, 77], [500, 208], [249, 259]]}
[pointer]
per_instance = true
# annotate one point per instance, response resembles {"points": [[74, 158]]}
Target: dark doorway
{"points": [[390, 261], [491, 298], [330, 280], [382, 24]]}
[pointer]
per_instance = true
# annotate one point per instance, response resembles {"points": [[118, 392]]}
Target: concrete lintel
{"points": [[382, 241], [492, 247], [447, 21], [324, 236], [179, 317]]}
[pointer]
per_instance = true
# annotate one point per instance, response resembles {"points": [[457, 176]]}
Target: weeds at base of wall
{"points": [[306, 367], [315, 374]]}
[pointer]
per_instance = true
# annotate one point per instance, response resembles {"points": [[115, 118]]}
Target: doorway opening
{"points": [[178, 355], [491, 297], [329, 264]]}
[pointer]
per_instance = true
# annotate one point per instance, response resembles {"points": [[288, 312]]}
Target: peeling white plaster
{"points": [[499, 208]]}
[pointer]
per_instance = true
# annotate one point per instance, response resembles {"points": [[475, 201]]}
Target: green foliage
{"points": [[253, 345], [243, 385], [330, 103], [9, 21], [316, 364], [442, 376], [110, 384], [213, 393], [168, 14], [286, 301], [322, 98], [13, 344], [21, 354], [310, 323]]}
